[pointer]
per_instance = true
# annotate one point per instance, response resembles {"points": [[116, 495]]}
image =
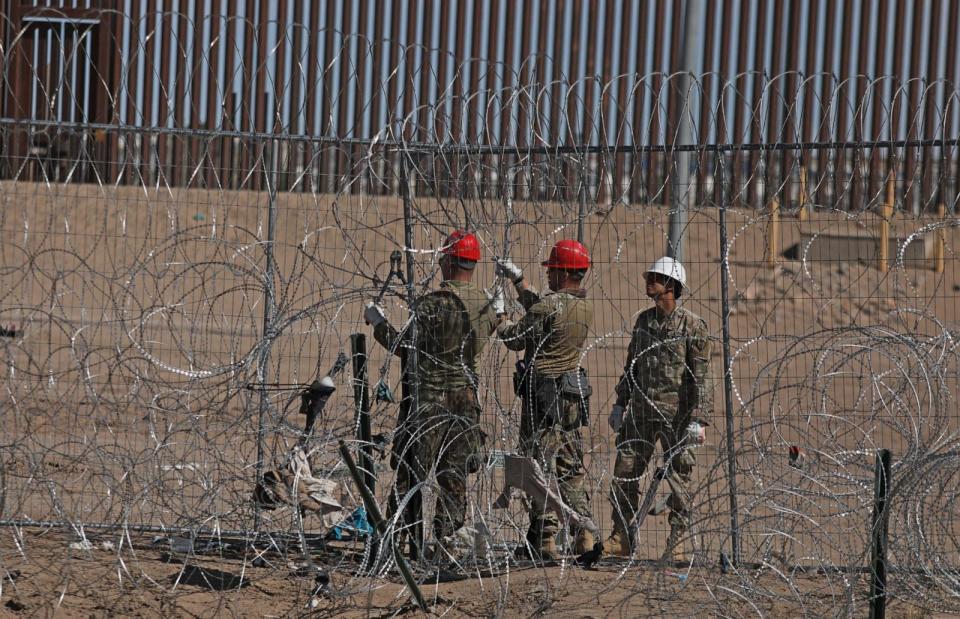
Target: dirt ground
{"points": [[124, 399], [53, 580]]}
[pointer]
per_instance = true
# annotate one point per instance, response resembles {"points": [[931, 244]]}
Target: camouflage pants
{"points": [[444, 438], [553, 439], [635, 445]]}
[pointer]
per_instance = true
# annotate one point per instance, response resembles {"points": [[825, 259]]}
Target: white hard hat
{"points": [[671, 268]]}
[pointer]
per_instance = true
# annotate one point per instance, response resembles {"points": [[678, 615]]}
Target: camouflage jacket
{"points": [[552, 331], [668, 363], [453, 326]]}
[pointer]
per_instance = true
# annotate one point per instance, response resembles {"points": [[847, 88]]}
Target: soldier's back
{"points": [[569, 315], [454, 323]]}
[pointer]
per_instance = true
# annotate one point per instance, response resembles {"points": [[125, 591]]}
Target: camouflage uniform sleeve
{"points": [[485, 321], [387, 337], [530, 328], [490, 320], [624, 387], [698, 387], [528, 297], [437, 313], [390, 338]]}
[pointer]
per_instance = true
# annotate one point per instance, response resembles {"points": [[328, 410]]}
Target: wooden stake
{"points": [[885, 215], [773, 233], [939, 245]]}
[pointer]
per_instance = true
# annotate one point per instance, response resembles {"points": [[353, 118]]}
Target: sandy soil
{"points": [[140, 581]]}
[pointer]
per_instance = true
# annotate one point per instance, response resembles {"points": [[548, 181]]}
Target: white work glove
{"points": [[374, 315], [498, 303], [615, 419], [696, 433], [505, 268]]}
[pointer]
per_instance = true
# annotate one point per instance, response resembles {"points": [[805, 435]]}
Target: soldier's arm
{"points": [[698, 387], [527, 296], [388, 337], [624, 388], [531, 327]]}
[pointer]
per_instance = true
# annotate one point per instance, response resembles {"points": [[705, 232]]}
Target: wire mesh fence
{"points": [[164, 291]]}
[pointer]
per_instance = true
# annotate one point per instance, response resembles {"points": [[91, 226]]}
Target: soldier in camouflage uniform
{"points": [[453, 325], [553, 386], [664, 387]]}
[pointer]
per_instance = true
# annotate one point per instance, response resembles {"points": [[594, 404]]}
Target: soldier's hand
{"points": [[506, 268], [498, 303], [327, 385], [615, 419], [696, 433], [373, 314]]}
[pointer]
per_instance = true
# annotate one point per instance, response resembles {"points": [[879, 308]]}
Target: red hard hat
{"points": [[568, 254], [462, 244]]}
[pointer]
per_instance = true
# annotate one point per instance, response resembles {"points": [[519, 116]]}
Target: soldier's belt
{"points": [[670, 398]]}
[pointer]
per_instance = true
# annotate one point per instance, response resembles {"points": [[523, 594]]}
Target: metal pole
{"points": [[878, 536], [269, 309], [693, 22], [728, 374], [582, 208], [374, 511], [410, 366], [361, 398]]}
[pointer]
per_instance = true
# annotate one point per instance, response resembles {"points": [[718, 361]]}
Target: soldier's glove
{"points": [[696, 432], [373, 314], [505, 268], [615, 420], [498, 303]]}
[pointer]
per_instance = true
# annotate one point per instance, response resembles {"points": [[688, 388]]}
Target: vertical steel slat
{"points": [[874, 182], [930, 117], [911, 194]]}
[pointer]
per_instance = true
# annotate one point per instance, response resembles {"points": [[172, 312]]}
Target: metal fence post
{"points": [[361, 398], [268, 318], [878, 536], [582, 198], [728, 375], [693, 26], [409, 359]]}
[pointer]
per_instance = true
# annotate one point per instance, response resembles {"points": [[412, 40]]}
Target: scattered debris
{"points": [[798, 457], [587, 559], [353, 527], [724, 563], [15, 606], [209, 578]]}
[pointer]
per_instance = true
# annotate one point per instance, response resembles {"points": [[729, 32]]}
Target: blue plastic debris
{"points": [[355, 526]]}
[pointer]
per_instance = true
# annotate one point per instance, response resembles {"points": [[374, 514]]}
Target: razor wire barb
{"points": [[136, 273]]}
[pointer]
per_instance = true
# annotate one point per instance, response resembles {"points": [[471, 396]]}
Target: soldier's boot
{"points": [[676, 550], [548, 550], [617, 544], [584, 542], [543, 549]]}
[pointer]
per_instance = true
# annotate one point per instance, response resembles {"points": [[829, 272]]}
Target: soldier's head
{"points": [[459, 255], [665, 280], [567, 265]]}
